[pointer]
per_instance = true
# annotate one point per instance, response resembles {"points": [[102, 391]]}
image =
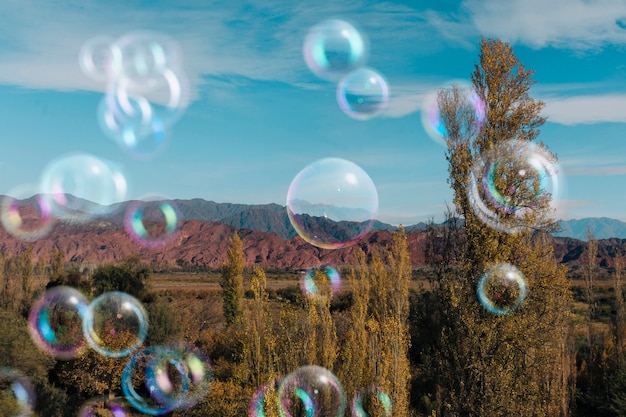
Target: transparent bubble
{"points": [[502, 289], [431, 116], [333, 48], [319, 281], [263, 401], [153, 222], [363, 94], [56, 322], [332, 203], [116, 324], [371, 402], [160, 379], [17, 393], [514, 186], [99, 57], [79, 187], [26, 215], [312, 391], [103, 407]]}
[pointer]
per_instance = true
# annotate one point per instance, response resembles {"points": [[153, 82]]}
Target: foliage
{"points": [[131, 277], [232, 281]]}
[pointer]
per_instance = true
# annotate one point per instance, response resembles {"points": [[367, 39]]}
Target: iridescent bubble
{"points": [[371, 402], [56, 322], [502, 289], [313, 391], [431, 115], [333, 48], [138, 389], [26, 215], [103, 406], [116, 324], [180, 376], [153, 222], [513, 187], [79, 187], [363, 94], [17, 393], [332, 203], [316, 281], [263, 400], [99, 57]]}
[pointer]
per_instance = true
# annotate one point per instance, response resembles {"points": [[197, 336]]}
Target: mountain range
{"points": [[269, 239]]}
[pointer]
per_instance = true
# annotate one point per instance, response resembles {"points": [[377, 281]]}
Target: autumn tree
{"points": [[232, 281], [500, 364]]}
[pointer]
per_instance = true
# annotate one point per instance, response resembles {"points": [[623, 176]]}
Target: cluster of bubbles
{"points": [[336, 50], [432, 120], [17, 392], [502, 289], [315, 391], [332, 203], [155, 380], [146, 88], [63, 322]]}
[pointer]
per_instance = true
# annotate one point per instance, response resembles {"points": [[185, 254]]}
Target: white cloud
{"points": [[586, 109], [572, 24]]}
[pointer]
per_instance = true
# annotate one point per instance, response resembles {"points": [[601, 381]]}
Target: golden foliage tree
{"points": [[232, 281], [511, 364]]}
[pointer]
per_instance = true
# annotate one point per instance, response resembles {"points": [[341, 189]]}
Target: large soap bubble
{"points": [[332, 203], [313, 391]]}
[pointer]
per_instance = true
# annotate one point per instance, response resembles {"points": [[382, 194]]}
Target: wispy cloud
{"points": [[593, 166], [586, 109], [571, 24]]}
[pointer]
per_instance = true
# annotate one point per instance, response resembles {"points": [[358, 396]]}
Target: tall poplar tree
{"points": [[517, 363], [232, 281]]}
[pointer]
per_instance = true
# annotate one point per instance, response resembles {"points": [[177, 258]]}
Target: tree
{"points": [[131, 277], [232, 281], [510, 364]]}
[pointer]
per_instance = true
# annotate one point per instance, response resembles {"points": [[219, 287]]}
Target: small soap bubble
{"points": [[56, 322], [103, 407], [363, 94], [99, 58], [26, 215], [332, 203], [431, 116], [17, 393], [333, 48], [153, 222], [79, 187], [313, 391], [317, 281], [116, 324], [371, 402], [514, 186], [263, 402], [502, 289]]}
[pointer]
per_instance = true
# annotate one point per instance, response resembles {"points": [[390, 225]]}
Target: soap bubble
{"points": [[116, 324], [370, 402], [56, 322], [153, 222], [363, 94], [512, 187], [17, 392], [314, 278], [313, 390], [332, 203], [160, 379], [26, 215], [431, 116], [79, 187], [103, 406], [263, 399], [502, 289], [99, 58], [333, 48]]}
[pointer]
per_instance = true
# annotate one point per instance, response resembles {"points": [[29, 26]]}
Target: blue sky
{"points": [[256, 115]]}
